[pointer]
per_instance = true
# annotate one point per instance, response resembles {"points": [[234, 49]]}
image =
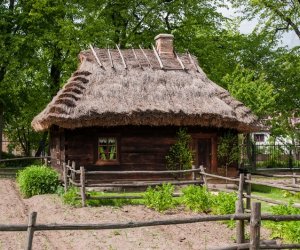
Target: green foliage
{"points": [[289, 230], [252, 89], [71, 197], [35, 180], [180, 155], [228, 150], [197, 198], [160, 198], [224, 203]]}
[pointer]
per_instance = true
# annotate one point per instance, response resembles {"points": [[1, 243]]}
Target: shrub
{"points": [[180, 155], [160, 198], [35, 180], [197, 199], [70, 197], [224, 203], [288, 230]]}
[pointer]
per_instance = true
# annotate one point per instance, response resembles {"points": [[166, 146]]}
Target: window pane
{"points": [[107, 148]]}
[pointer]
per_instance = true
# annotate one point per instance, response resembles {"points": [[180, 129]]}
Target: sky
{"points": [[289, 39]]}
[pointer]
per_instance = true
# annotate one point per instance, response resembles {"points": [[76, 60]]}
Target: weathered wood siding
{"points": [[140, 148]]}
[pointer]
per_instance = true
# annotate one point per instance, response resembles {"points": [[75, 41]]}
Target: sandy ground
{"points": [[15, 210]]}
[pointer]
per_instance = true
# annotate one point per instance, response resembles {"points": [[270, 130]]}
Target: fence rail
{"points": [[255, 219]]}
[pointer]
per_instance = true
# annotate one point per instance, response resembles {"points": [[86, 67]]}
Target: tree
{"points": [[180, 156], [253, 90], [276, 16]]}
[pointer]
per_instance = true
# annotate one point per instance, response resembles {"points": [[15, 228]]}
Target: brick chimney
{"points": [[164, 44]]}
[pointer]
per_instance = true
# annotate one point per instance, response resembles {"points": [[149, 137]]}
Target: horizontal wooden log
{"points": [[294, 217], [143, 172], [48, 227], [270, 200], [143, 184], [220, 177], [73, 170], [24, 158], [13, 228], [233, 247], [280, 246], [74, 183], [88, 197], [277, 175], [195, 219], [273, 185], [276, 170]]}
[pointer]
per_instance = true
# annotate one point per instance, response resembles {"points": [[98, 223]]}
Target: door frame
{"points": [[214, 158]]}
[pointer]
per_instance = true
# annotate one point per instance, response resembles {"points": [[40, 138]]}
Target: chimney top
{"points": [[164, 44]]}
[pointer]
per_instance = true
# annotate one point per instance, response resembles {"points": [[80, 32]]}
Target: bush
{"points": [[70, 197], [224, 203], [35, 180], [160, 198], [180, 155], [197, 199], [288, 230]]}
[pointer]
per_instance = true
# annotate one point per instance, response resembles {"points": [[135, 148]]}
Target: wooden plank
{"points": [[255, 223], [30, 230]]}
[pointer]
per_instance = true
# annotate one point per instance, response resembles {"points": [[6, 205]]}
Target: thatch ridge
{"points": [[142, 94]]}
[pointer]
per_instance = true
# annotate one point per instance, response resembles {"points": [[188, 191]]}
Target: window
{"points": [[107, 149], [259, 137]]}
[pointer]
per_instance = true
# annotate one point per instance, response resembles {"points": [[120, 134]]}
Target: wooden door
{"points": [[204, 153]]}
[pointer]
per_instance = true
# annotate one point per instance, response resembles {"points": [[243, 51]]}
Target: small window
{"points": [[107, 149], [259, 137]]}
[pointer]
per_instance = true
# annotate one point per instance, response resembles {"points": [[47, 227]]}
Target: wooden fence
{"points": [[10, 172], [78, 178], [254, 219]]}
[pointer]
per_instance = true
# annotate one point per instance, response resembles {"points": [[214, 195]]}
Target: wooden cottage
{"points": [[121, 110]]}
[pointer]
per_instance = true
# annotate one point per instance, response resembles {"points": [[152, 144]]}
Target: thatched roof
{"points": [[139, 87]]}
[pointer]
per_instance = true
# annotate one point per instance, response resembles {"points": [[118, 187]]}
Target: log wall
{"points": [[140, 148]]}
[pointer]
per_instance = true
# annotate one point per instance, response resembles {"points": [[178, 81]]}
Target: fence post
{"points": [[248, 192], [30, 230], [82, 185], [203, 176], [193, 173], [255, 221], [239, 209], [45, 160], [73, 167], [65, 176], [294, 179]]}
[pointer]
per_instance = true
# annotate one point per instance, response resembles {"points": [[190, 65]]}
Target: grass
{"points": [[274, 194]]}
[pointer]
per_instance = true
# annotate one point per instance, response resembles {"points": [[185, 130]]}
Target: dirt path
{"points": [[14, 209]]}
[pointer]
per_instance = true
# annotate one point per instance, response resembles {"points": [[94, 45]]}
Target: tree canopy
{"points": [[40, 41]]}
